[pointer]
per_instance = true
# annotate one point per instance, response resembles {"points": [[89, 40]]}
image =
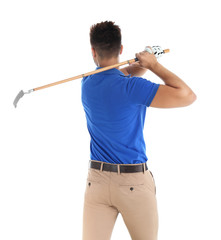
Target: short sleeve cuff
{"points": [[152, 94]]}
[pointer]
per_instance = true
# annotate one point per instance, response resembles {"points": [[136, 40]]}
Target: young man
{"points": [[115, 103]]}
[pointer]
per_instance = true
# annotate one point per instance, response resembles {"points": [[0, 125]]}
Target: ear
{"points": [[121, 49], [93, 52]]}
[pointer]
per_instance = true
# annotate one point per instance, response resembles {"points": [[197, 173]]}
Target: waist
{"points": [[121, 168]]}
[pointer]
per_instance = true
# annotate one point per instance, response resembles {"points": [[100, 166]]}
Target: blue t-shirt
{"points": [[115, 109]]}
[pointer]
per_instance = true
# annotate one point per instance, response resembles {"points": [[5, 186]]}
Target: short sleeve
{"points": [[141, 91]]}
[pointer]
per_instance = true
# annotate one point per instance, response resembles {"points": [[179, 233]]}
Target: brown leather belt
{"points": [[123, 168]]}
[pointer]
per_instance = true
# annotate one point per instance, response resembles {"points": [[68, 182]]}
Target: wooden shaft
{"points": [[166, 50], [86, 74], [90, 73]]}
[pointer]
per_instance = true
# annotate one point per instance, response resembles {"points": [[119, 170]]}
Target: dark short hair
{"points": [[105, 38]]}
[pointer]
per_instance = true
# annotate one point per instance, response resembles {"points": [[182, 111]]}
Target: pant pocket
{"points": [[93, 191], [132, 188], [153, 180]]}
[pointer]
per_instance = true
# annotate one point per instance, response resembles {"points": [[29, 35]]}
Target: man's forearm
{"points": [[168, 77], [135, 70]]}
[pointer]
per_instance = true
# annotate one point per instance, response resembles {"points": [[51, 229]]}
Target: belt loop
{"points": [[89, 164], [144, 168], [101, 166], [118, 168]]}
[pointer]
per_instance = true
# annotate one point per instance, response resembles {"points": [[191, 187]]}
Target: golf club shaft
{"points": [[90, 73], [86, 74]]}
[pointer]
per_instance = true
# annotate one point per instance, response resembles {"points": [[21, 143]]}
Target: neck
{"points": [[107, 62]]}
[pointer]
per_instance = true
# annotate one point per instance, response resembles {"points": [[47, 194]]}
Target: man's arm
{"points": [[175, 92], [134, 69]]}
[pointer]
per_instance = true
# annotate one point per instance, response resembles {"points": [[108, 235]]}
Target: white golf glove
{"points": [[156, 50]]}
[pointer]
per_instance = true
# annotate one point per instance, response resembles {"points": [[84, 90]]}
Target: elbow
{"points": [[192, 97], [186, 97], [189, 98]]}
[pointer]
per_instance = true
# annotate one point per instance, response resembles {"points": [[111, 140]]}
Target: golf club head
{"points": [[20, 95]]}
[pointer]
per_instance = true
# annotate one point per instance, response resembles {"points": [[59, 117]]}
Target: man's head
{"points": [[105, 39]]}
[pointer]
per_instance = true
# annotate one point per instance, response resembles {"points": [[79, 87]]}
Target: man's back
{"points": [[115, 108]]}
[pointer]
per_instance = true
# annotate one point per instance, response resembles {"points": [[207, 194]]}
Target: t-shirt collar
{"points": [[111, 71]]}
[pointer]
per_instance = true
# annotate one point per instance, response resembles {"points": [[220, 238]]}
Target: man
{"points": [[115, 103]]}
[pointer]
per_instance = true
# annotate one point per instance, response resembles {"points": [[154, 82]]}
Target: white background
{"points": [[45, 143]]}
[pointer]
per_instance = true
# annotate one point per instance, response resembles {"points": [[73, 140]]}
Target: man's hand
{"points": [[146, 59], [134, 69]]}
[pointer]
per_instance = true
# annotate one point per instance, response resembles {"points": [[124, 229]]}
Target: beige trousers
{"points": [[131, 194]]}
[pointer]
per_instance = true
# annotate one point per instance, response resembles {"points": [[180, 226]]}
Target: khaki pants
{"points": [[131, 194]]}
